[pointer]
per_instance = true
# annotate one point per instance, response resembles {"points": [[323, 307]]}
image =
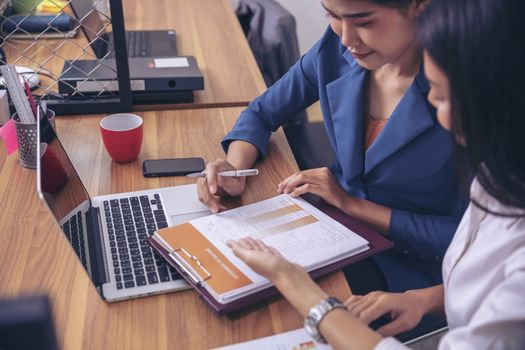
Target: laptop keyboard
{"points": [[137, 43], [129, 221], [75, 233]]}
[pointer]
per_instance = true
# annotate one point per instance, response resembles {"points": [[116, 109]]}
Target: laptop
{"points": [[108, 233], [145, 43]]}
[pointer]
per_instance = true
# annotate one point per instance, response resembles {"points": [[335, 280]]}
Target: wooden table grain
{"points": [[35, 256]]}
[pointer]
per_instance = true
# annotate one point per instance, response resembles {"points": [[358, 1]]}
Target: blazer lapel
{"points": [[346, 98], [411, 117]]}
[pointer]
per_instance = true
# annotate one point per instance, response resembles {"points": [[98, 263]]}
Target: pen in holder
{"points": [[26, 137]]}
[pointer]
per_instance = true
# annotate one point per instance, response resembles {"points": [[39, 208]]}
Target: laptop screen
{"points": [[57, 180], [93, 27]]}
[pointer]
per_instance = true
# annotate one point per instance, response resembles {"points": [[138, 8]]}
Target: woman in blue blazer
{"points": [[368, 62]]}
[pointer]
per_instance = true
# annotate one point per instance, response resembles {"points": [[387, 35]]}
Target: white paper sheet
{"points": [[293, 340], [300, 232]]}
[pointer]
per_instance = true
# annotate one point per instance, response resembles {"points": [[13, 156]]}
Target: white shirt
{"points": [[484, 279]]}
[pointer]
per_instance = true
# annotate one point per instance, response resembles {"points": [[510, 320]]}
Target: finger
{"points": [[262, 246], [374, 311], [361, 307], [401, 324], [352, 299], [211, 177], [275, 251], [291, 184], [247, 243], [214, 180], [206, 197], [240, 252], [255, 244], [300, 179], [357, 306], [359, 302], [306, 188], [232, 244], [283, 183]]}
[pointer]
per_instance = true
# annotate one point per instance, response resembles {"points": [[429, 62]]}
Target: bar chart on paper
{"points": [[292, 226], [268, 221]]}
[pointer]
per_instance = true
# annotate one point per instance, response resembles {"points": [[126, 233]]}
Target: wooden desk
{"points": [[36, 257], [208, 30]]}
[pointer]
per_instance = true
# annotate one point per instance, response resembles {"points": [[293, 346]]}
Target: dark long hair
{"points": [[480, 46]]}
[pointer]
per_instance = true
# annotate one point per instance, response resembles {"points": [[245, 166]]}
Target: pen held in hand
{"points": [[229, 173]]}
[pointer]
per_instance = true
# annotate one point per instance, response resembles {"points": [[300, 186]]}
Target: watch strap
{"points": [[316, 315]]}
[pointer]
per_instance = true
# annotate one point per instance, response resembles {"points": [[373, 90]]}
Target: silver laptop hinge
{"points": [[103, 241]]}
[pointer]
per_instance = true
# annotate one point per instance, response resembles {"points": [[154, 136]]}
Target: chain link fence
{"points": [[45, 47]]}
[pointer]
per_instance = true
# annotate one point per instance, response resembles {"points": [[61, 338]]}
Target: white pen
{"points": [[229, 173]]}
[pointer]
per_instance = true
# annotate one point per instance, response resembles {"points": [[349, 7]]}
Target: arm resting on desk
{"points": [[342, 329], [339, 327]]}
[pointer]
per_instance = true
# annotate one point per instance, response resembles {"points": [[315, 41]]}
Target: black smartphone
{"points": [[172, 167]]}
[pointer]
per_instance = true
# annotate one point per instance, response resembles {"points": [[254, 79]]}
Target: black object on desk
{"points": [[141, 43], [26, 323], [38, 24], [172, 167], [167, 79]]}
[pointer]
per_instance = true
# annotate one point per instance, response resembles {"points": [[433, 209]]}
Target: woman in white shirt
{"points": [[475, 63]]}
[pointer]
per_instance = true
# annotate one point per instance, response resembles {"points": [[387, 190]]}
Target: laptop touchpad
{"points": [[182, 218]]}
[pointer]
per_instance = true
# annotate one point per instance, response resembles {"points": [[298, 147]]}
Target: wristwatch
{"points": [[317, 313]]}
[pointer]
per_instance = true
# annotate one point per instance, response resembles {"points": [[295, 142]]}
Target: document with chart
{"points": [[293, 340], [299, 231]]}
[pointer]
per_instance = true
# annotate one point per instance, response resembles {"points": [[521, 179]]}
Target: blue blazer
{"points": [[410, 167]]}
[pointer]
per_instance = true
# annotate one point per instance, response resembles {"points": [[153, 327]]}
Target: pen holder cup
{"points": [[26, 137]]}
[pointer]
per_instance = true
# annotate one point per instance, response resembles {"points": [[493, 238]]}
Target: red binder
{"points": [[377, 244]]}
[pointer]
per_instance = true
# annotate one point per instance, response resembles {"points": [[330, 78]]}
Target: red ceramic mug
{"points": [[122, 136]]}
